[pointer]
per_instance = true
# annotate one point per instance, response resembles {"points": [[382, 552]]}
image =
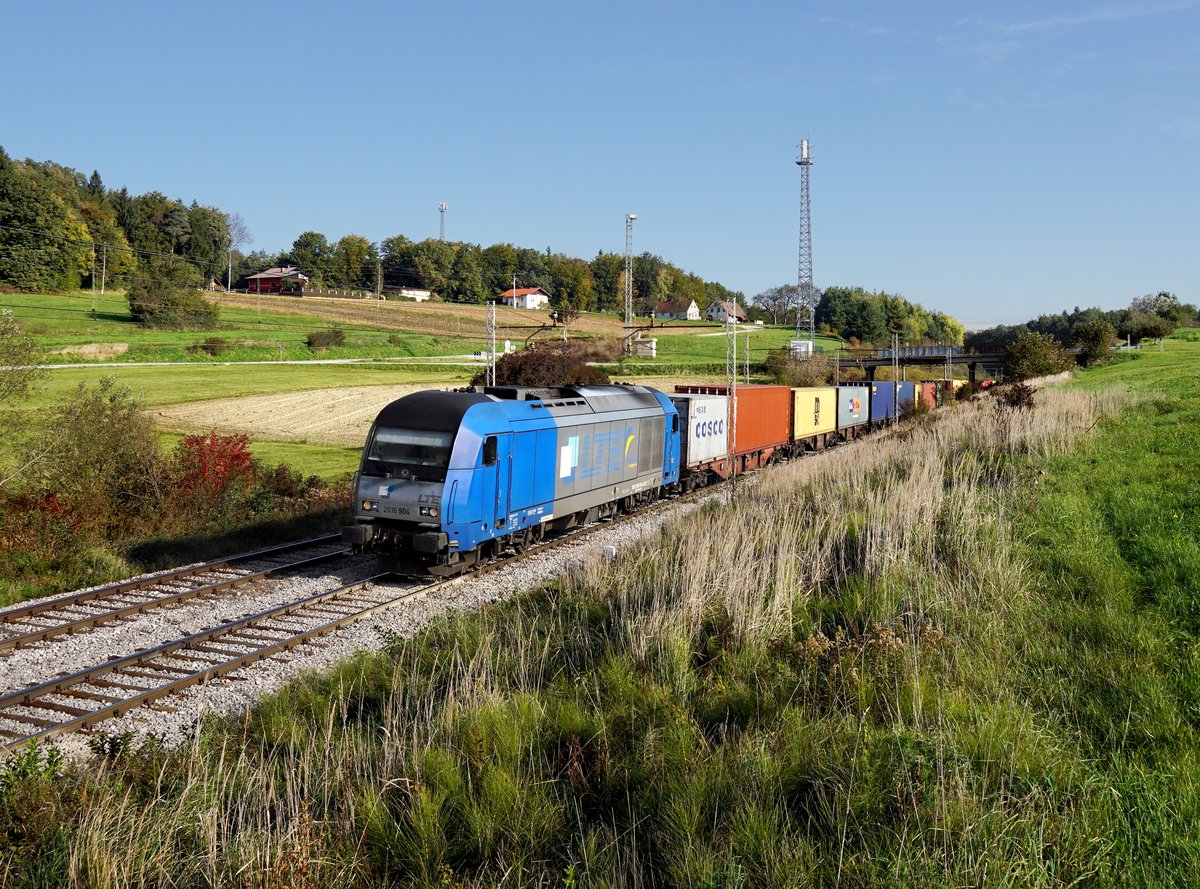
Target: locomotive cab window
{"points": [[423, 453], [490, 450]]}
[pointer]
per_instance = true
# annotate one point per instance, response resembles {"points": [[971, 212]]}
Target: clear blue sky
{"points": [[991, 160]]}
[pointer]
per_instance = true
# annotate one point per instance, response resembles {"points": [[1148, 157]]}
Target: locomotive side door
{"points": [[504, 458]]}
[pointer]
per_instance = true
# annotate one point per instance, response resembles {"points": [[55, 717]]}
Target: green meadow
{"points": [[86, 328]]}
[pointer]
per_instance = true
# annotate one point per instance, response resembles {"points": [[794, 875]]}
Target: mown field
{"points": [[962, 654]]}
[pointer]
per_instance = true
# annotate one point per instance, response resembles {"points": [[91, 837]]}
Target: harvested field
{"points": [[329, 416], [439, 319], [326, 416]]}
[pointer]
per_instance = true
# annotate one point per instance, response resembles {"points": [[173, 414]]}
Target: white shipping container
{"points": [[703, 427]]}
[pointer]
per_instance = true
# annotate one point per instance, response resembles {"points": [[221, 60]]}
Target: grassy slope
{"points": [[974, 665], [1114, 646], [64, 321]]}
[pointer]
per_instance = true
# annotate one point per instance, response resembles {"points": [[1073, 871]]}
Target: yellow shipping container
{"points": [[814, 410]]}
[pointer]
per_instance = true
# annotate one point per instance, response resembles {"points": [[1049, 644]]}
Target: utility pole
{"points": [[442, 225], [103, 266], [731, 375], [627, 348], [746, 358], [93, 280], [229, 270], [490, 374]]}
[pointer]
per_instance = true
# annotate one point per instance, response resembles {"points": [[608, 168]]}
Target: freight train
{"points": [[451, 479]]}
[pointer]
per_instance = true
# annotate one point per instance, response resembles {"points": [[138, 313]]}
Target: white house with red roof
{"points": [[677, 310], [720, 311], [525, 298]]}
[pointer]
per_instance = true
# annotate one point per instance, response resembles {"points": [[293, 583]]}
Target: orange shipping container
{"points": [[764, 414]]}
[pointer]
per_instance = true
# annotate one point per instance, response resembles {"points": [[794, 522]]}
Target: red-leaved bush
{"points": [[211, 468]]}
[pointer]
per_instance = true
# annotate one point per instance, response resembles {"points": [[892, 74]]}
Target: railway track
{"points": [[77, 612], [84, 698]]}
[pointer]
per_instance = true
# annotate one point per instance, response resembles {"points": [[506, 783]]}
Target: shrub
{"points": [[967, 391], [214, 345], [41, 526], [100, 458], [1035, 355], [324, 339], [545, 364], [19, 356], [789, 371], [154, 302], [1094, 339], [1015, 396], [210, 470]]}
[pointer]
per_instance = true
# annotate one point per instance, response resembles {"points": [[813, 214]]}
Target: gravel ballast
{"points": [[175, 718]]}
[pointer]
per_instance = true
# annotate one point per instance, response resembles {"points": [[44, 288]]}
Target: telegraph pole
{"points": [[627, 348], [731, 375]]}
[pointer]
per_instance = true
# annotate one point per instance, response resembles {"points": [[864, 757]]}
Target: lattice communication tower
{"points": [[442, 226], [804, 277]]}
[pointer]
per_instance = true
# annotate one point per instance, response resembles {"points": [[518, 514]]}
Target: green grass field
{"points": [[83, 320]]}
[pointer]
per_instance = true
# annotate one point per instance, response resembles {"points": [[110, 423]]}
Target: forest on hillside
{"points": [[61, 229]]}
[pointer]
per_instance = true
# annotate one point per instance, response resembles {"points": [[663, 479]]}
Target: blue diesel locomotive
{"points": [[449, 479]]}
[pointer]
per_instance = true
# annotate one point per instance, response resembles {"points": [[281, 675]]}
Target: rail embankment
{"points": [[962, 653]]}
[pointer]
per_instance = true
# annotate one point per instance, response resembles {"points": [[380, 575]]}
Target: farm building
{"points": [[277, 280], [720, 311], [525, 298], [677, 310]]}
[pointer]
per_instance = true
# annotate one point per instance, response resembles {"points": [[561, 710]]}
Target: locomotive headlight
{"points": [[431, 511], [370, 505]]}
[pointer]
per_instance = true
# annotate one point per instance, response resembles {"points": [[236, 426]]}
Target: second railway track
{"points": [[83, 698], [48, 619]]}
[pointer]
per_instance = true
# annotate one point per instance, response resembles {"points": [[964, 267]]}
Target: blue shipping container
{"points": [[908, 396], [883, 401]]}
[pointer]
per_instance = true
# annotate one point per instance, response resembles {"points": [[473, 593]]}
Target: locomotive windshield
{"points": [[423, 453]]}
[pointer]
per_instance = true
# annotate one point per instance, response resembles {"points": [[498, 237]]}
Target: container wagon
{"points": [[763, 423], [884, 397], [929, 394], [853, 411], [814, 418], [703, 437]]}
